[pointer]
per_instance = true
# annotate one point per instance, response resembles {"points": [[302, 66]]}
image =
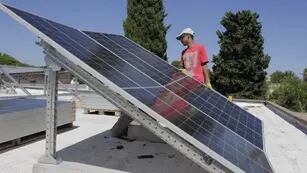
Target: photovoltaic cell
{"points": [[165, 94], [89, 52], [203, 128], [21, 104], [213, 104]]}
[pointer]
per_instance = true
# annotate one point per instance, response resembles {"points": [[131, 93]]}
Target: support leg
{"points": [[51, 120], [45, 82], [121, 126]]}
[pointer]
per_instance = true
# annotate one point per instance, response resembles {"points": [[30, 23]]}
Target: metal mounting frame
{"points": [[51, 75], [7, 85], [187, 149], [10, 77], [73, 92]]}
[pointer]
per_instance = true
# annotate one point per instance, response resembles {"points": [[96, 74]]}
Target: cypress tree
{"points": [[145, 25], [305, 75], [239, 68]]}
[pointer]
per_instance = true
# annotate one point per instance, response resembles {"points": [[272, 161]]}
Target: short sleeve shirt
{"points": [[193, 59]]}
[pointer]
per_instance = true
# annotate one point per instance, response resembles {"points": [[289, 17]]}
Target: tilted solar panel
{"points": [[171, 95], [210, 102]]}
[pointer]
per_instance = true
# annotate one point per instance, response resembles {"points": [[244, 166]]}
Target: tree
{"points": [[278, 76], [305, 75], [239, 68], [176, 63], [145, 25], [292, 94], [6, 59]]}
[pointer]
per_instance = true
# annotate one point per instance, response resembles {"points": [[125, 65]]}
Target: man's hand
{"points": [[184, 71], [208, 84]]}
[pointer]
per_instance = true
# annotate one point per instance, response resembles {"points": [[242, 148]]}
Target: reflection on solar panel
{"points": [[211, 103], [10, 105], [209, 118]]}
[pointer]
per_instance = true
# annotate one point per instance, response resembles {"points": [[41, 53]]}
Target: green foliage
{"points": [[145, 25], [177, 64], [6, 59], [239, 68], [278, 76], [305, 75], [292, 94]]}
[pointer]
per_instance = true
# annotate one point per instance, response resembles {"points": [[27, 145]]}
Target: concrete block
{"points": [[140, 133]]}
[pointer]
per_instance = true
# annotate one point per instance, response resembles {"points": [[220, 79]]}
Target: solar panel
{"points": [[202, 127], [161, 93], [213, 104], [10, 105]]}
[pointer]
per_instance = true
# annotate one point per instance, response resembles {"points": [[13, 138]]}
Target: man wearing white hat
{"points": [[194, 58]]}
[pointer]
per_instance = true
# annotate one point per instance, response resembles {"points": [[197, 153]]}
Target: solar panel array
{"points": [[11, 105], [201, 113], [208, 101]]}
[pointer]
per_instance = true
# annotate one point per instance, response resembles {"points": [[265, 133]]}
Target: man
{"points": [[194, 58]]}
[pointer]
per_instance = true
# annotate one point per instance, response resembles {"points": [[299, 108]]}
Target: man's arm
{"points": [[207, 76], [204, 62]]}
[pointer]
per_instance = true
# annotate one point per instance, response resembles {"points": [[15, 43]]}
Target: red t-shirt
{"points": [[192, 59]]}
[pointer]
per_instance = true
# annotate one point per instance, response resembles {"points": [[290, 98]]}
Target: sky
{"points": [[284, 26]]}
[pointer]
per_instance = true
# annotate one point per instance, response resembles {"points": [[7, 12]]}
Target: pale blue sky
{"points": [[284, 25]]}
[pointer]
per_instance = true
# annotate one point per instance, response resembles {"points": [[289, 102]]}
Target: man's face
{"points": [[185, 39]]}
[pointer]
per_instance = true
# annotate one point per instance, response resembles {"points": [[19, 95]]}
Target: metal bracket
{"points": [[50, 156], [14, 81], [7, 85], [45, 82], [187, 149], [71, 91]]}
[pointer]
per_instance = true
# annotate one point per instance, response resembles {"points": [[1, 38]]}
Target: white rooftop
{"points": [[285, 145]]}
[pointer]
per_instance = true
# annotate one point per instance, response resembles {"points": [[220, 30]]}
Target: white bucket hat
{"points": [[185, 31]]}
